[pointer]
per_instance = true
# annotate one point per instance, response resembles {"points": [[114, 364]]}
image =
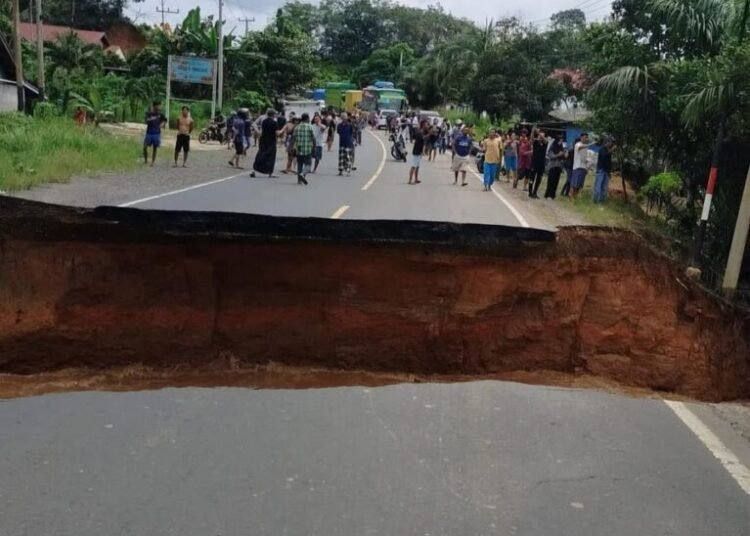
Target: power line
{"points": [[247, 21], [166, 11], [591, 4]]}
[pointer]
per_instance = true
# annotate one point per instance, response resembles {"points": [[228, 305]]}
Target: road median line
{"points": [[340, 212]]}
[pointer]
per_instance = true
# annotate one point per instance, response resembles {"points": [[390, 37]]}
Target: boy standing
{"points": [[184, 129], [155, 120]]}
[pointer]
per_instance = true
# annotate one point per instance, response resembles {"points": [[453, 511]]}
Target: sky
{"points": [[537, 11]]}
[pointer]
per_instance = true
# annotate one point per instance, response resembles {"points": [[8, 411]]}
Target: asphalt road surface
{"points": [[481, 458], [378, 189]]}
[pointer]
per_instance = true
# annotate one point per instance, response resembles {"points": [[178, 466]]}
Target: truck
{"points": [[300, 107], [335, 94], [352, 99]]}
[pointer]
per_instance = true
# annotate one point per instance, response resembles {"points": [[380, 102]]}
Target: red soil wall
{"points": [[594, 301]]}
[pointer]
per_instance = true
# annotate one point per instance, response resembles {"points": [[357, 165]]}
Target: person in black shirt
{"points": [[420, 136], [569, 167], [538, 161], [556, 162], [603, 169]]}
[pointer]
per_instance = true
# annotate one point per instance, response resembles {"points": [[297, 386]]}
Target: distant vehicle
{"points": [[384, 117], [334, 94], [352, 99], [300, 107], [430, 116], [378, 99]]}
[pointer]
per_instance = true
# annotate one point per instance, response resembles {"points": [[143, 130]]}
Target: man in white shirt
{"points": [[320, 131], [580, 165]]}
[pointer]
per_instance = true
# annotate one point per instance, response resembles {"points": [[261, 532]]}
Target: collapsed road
{"points": [[113, 287], [91, 288]]}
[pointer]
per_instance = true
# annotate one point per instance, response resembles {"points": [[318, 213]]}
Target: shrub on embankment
{"points": [[54, 149]]}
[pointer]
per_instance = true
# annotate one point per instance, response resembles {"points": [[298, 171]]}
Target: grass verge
{"points": [[37, 151]]}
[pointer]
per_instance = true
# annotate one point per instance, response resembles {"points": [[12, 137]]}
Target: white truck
{"points": [[300, 107]]}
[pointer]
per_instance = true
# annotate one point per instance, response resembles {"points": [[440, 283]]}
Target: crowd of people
{"points": [[515, 156], [303, 138]]}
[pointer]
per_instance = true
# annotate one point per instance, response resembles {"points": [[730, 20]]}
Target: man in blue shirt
{"points": [[155, 120], [346, 144], [462, 145]]}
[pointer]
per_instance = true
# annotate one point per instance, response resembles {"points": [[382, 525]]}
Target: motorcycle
{"points": [[213, 132], [398, 149]]}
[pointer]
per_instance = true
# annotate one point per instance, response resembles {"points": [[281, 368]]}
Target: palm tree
{"points": [[70, 52], [713, 31]]}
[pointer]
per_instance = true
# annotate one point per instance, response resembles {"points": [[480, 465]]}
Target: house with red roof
{"points": [[122, 39]]}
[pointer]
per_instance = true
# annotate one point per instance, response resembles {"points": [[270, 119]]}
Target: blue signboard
{"points": [[193, 70]]}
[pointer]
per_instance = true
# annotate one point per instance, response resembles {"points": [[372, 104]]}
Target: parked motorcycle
{"points": [[213, 132], [398, 149]]}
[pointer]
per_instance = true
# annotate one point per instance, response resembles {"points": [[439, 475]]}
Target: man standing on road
{"points": [[538, 162], [346, 144], [603, 168], [418, 149], [184, 129], [238, 130], [556, 156], [155, 120], [491, 148], [461, 156], [510, 154], [304, 147], [320, 130], [580, 162], [525, 152]]}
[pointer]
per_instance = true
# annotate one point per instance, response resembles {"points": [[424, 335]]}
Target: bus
{"points": [[383, 98]]}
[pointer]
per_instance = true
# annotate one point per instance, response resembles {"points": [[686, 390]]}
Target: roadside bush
{"points": [[659, 191], [45, 110]]}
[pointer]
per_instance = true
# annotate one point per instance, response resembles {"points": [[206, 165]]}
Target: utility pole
{"points": [[220, 82], [18, 55], [40, 49], [165, 11], [713, 173], [739, 241], [247, 22]]}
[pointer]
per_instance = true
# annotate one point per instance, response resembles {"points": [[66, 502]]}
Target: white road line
{"points": [[380, 167], [181, 190], [728, 459], [340, 212], [505, 202]]}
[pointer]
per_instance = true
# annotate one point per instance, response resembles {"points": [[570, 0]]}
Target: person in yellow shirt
{"points": [[491, 148]]}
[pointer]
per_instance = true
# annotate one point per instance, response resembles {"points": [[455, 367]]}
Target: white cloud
{"points": [[537, 11]]}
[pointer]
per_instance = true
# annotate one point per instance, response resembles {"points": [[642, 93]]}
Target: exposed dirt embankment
{"points": [[118, 287]]}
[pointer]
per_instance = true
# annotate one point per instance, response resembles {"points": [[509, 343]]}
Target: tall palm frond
{"points": [[627, 80], [704, 22], [709, 101]]}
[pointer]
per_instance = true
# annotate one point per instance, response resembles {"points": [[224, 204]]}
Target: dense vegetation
{"points": [[660, 75]]}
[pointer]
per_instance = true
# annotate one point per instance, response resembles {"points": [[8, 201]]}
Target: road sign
{"points": [[192, 70]]}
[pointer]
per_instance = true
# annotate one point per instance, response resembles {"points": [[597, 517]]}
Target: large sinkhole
{"points": [[122, 297]]}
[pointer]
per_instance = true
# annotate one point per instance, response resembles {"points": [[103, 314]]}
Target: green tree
{"points": [[569, 20], [70, 52], [385, 63], [85, 14]]}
